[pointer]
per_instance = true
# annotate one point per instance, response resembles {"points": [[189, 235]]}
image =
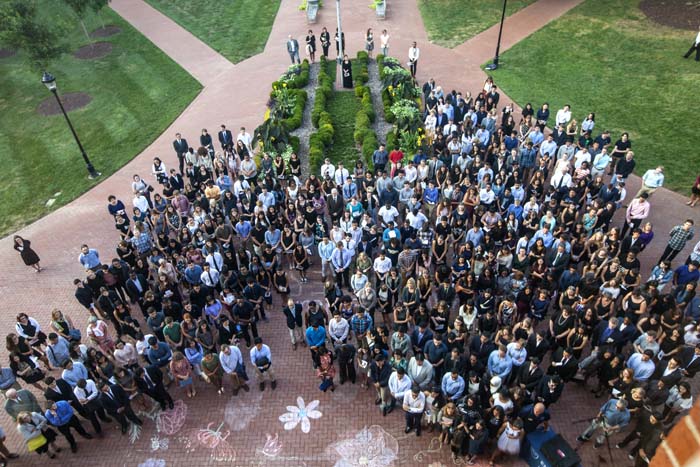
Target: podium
{"points": [[548, 449]]}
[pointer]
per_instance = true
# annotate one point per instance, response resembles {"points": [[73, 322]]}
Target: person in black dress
{"points": [[311, 45], [28, 255], [325, 41], [346, 67]]}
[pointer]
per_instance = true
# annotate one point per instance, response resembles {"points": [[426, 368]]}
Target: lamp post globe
{"points": [[50, 82]]}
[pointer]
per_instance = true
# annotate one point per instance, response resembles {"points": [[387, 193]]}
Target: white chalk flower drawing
{"points": [[371, 447], [300, 414], [152, 462]]}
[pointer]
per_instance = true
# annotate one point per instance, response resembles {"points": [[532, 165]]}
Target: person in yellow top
{"points": [[213, 193]]}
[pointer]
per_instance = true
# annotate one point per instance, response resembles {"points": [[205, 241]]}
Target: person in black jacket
{"points": [[379, 373], [691, 361], [549, 390], [420, 336], [226, 138], [83, 294], [149, 380], [116, 402], [294, 314], [537, 344], [346, 363], [529, 376], [180, 145], [482, 347], [60, 390]]}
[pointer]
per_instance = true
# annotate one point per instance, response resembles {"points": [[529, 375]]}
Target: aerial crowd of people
{"points": [[467, 284]]}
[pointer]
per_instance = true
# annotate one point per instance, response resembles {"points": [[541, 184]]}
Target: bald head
{"points": [[538, 409], [11, 394]]}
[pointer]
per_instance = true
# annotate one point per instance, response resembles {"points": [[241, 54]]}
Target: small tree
{"points": [[80, 8], [21, 30], [97, 6]]}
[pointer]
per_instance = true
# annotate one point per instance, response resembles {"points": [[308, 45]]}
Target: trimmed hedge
{"points": [[322, 139], [294, 121], [362, 74], [298, 81]]}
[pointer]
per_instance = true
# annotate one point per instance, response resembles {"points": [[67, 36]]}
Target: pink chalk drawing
{"points": [[300, 414], [214, 440], [371, 447], [272, 446], [170, 421]]}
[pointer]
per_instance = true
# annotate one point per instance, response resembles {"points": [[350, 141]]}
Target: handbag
{"points": [[35, 443]]}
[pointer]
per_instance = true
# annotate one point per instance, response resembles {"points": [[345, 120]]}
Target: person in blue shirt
{"points": [[340, 260], [500, 363], [73, 372], [452, 385], [316, 340], [89, 258], [158, 354], [613, 416], [60, 414], [193, 274]]}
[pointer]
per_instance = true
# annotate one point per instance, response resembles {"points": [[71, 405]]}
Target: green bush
{"points": [[294, 121]]}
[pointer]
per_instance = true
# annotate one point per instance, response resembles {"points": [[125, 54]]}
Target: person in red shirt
{"points": [[395, 157]]}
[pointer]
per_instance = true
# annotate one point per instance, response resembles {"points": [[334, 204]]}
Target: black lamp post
{"points": [[50, 83], [494, 65]]}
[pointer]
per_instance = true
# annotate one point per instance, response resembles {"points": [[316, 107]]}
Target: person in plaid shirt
{"points": [[680, 234]]}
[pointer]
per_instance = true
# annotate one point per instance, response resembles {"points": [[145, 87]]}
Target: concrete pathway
{"points": [[236, 95]]}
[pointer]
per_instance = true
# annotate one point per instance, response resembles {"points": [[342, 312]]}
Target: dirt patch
{"points": [[106, 31], [6, 53], [680, 14], [93, 51], [71, 101]]}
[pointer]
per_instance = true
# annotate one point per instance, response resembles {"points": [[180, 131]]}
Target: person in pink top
{"points": [[637, 211]]}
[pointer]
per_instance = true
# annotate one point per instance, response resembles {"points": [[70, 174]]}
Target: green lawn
{"points": [[343, 107], [607, 57], [451, 22], [137, 92], [237, 29]]}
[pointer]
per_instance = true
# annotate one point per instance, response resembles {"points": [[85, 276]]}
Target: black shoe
{"points": [[384, 412], [74, 449], [124, 429], [596, 445], [273, 385], [390, 409], [87, 436], [171, 406], [581, 439], [417, 432], [246, 388], [408, 429], [106, 420], [377, 401], [139, 422], [262, 386], [162, 408]]}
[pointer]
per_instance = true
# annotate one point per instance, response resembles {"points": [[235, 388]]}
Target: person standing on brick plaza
{"points": [[379, 374], [613, 416], [637, 211], [293, 313], [60, 414], [261, 358], [679, 236]]}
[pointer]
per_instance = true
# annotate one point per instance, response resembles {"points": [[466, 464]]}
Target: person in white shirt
{"points": [[88, 396], [413, 56], [246, 139], [388, 213], [382, 266], [399, 385], [340, 175], [563, 116], [582, 156], [695, 47], [338, 329], [261, 358], [229, 359], [413, 405], [140, 202], [327, 169], [416, 219], [384, 42], [210, 277]]}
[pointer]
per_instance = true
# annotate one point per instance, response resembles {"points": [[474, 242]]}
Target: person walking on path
{"points": [[679, 236], [28, 255], [413, 56], [293, 49], [695, 47]]}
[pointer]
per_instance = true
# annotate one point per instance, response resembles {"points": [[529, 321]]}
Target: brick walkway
{"points": [[236, 95]]}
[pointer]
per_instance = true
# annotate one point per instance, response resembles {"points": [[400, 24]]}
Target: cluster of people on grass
{"points": [[467, 284]]}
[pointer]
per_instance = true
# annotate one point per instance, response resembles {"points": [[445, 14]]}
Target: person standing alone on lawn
{"points": [[694, 48]]}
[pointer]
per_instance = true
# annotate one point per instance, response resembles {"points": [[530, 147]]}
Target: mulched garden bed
{"points": [[106, 31], [680, 14], [93, 51], [71, 101]]}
